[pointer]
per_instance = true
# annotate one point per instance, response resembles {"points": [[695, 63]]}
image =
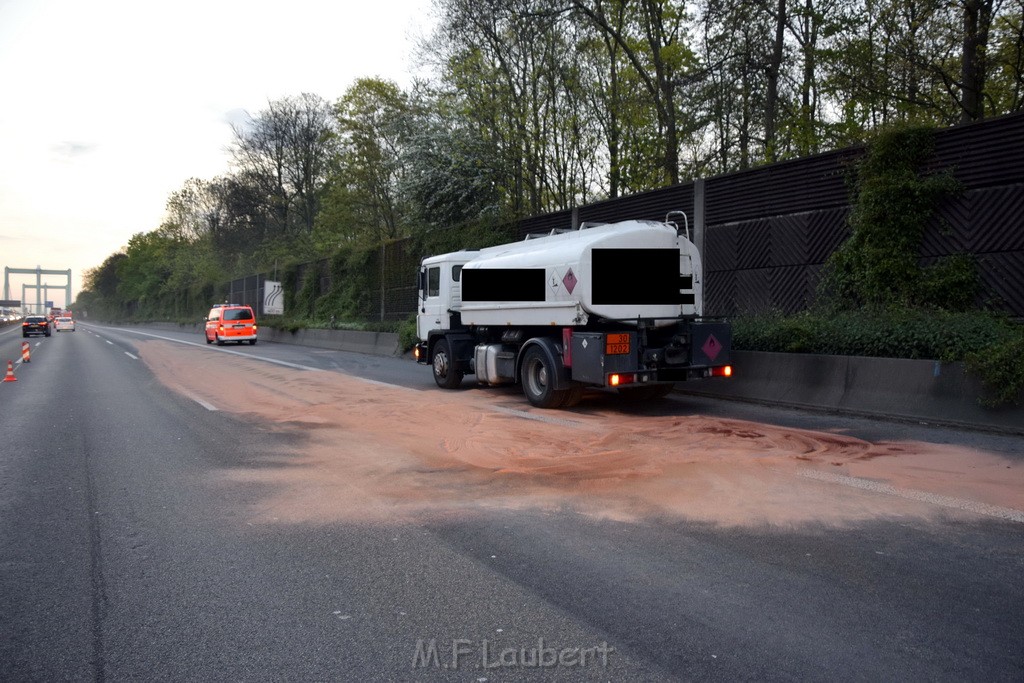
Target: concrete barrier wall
{"points": [[918, 390], [376, 343]]}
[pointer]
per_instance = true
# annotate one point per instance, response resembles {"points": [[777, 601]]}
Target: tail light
{"points": [[723, 371], [617, 380]]}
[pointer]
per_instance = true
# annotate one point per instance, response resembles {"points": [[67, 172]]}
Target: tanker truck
{"points": [[615, 306]]}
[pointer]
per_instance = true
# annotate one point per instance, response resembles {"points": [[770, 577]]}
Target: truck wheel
{"points": [[538, 379], [573, 396], [445, 374]]}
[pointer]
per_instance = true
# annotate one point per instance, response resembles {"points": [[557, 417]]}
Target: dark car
{"points": [[35, 324]]}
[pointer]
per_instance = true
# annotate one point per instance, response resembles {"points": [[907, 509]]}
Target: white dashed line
{"points": [[912, 494], [262, 359], [209, 406], [539, 418], [133, 357]]}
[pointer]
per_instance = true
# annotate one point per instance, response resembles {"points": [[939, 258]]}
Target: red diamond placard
{"points": [[712, 347], [569, 281]]}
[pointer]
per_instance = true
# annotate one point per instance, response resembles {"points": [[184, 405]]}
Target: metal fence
{"points": [[246, 291]]}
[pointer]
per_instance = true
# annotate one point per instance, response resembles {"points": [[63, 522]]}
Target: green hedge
{"points": [[991, 345]]}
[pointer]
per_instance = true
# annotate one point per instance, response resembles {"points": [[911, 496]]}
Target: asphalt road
{"points": [[123, 557]]}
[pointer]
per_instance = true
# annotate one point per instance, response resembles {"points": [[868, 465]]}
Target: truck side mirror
{"points": [[422, 287]]}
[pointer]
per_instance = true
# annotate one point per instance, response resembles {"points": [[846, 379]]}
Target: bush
{"points": [[296, 324], [991, 345], [893, 202], [1001, 369], [407, 337]]}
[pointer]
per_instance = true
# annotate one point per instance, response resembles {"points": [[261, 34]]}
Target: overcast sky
{"points": [[109, 106]]}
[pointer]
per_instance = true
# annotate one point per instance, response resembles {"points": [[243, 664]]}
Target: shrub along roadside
{"points": [[893, 201], [877, 300], [990, 345]]}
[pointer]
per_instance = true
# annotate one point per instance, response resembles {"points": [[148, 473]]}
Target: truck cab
{"points": [[440, 291]]}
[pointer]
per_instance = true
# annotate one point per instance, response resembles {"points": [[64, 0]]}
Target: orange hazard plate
{"points": [[616, 344]]}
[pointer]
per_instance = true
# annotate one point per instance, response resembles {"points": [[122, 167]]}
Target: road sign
{"points": [[273, 298]]}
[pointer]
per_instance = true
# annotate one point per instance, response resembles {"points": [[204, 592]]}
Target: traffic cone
{"points": [[26, 356], [10, 372]]}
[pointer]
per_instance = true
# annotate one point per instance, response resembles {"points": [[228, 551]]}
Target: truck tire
{"points": [[445, 374], [573, 396], [537, 377]]}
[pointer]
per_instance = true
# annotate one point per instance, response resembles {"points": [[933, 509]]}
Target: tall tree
{"points": [[452, 174], [196, 210], [365, 197], [614, 99], [284, 151], [742, 52], [653, 42], [977, 22], [1005, 85]]}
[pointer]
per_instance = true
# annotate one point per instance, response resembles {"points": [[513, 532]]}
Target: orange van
{"points": [[230, 322]]}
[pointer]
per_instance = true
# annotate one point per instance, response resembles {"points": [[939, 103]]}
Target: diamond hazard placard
{"points": [[712, 347], [569, 281]]}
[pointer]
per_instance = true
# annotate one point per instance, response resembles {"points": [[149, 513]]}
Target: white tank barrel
{"points": [[618, 271]]}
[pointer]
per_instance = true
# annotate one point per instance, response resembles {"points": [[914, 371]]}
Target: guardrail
{"points": [[913, 390]]}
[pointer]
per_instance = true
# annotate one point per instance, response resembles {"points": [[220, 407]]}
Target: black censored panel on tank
{"points": [[639, 277], [503, 284]]}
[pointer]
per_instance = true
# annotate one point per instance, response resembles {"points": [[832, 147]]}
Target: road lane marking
{"points": [[539, 418], [132, 356], [912, 494], [109, 342], [209, 406], [296, 366]]}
